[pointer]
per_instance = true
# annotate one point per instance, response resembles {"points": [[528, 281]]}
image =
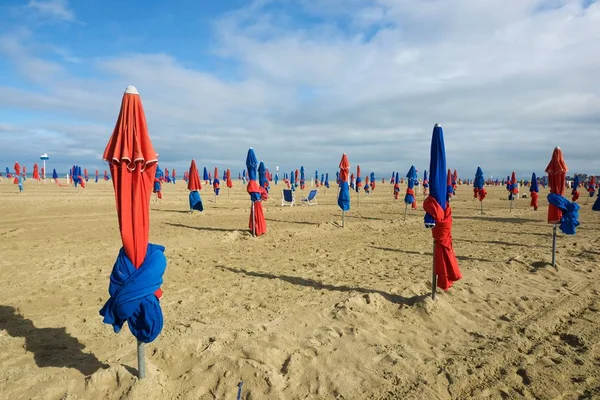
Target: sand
{"points": [[309, 311]]}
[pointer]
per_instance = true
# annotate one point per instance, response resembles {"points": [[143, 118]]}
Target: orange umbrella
{"points": [[36, 172], [133, 163], [194, 178], [228, 176], [557, 171]]}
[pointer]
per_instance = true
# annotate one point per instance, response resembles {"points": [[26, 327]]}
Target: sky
{"points": [[303, 81]]}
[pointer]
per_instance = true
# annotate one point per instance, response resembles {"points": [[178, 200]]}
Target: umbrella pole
{"points": [[511, 205], [141, 353], [481, 204], [343, 215], [554, 246], [433, 276], [405, 208]]}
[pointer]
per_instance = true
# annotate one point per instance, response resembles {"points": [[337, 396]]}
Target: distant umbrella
{"points": [[327, 180], [194, 186], [425, 183], [409, 198], [344, 194], [575, 191], [534, 190], [257, 222]]}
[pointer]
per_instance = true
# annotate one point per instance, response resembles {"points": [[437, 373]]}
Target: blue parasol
{"points": [[327, 180], [205, 175], [54, 174], [437, 172], [292, 181], [262, 176]]}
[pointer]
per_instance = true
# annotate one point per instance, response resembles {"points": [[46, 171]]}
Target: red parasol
{"points": [[194, 177], [133, 164], [228, 176], [557, 171], [36, 172]]}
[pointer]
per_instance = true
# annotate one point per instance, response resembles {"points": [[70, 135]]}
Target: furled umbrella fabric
{"points": [[216, 183], [397, 186], [439, 214], [534, 192], [292, 181], [454, 181], [157, 182], [302, 181], [478, 185], [425, 183], [137, 274], [367, 186], [592, 186], [449, 186], [409, 197], [194, 186], [228, 179], [96, 178], [17, 168], [106, 175], [317, 183], [344, 194], [36, 172], [327, 180], [372, 180], [262, 176], [205, 176], [575, 190], [85, 175], [257, 223], [514, 186], [55, 176], [358, 179], [557, 171]]}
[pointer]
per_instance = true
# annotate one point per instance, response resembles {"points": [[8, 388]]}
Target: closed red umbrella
{"points": [[36, 172], [194, 186], [557, 172], [133, 163]]}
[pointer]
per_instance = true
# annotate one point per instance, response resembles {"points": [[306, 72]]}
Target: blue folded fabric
{"points": [[132, 296], [344, 197], [570, 213], [196, 201]]}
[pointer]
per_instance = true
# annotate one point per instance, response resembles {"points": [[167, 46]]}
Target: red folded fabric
{"points": [[481, 194], [445, 263], [534, 200]]}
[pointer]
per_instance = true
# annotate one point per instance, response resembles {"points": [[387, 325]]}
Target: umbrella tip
{"points": [[436, 126], [131, 90]]}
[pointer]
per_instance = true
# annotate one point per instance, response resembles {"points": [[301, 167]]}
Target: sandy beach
{"points": [[308, 311]]}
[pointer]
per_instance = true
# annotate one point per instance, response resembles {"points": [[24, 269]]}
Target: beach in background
{"points": [[308, 311]]}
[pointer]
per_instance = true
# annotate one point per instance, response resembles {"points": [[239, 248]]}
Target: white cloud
{"points": [[52, 10], [507, 81]]}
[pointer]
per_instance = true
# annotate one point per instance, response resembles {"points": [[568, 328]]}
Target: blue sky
{"points": [[303, 81]]}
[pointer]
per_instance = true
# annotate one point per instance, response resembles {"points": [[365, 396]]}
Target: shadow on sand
{"points": [[417, 253], [508, 220], [51, 347], [204, 228], [296, 280]]}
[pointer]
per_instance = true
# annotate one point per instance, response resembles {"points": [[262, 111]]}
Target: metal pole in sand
{"points": [[433, 275], [554, 246], [141, 356], [343, 214], [481, 204], [405, 208], [511, 205]]}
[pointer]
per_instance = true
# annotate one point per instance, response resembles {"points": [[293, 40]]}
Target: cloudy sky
{"points": [[303, 81]]}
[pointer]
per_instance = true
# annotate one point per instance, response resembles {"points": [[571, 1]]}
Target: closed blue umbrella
{"points": [[205, 175], [409, 197], [425, 183], [575, 191], [344, 194], [534, 192], [276, 178], [317, 183], [478, 189], [257, 219], [396, 186], [373, 180], [302, 181], [322, 182], [54, 174], [327, 180], [292, 181], [262, 176], [439, 216]]}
